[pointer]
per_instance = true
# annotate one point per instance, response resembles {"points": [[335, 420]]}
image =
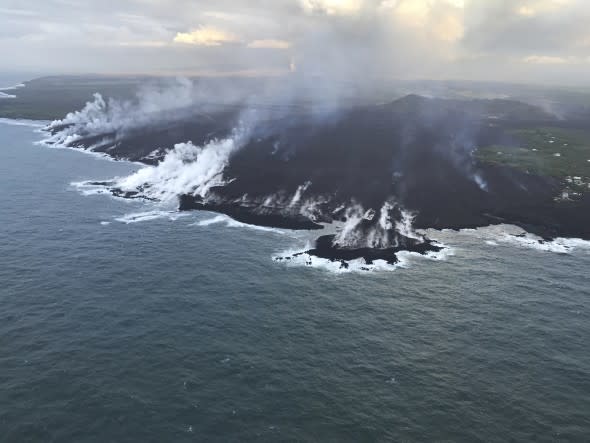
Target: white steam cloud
{"points": [[153, 104], [380, 235], [186, 169]]}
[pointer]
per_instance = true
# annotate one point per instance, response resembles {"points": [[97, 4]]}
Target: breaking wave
{"points": [[137, 217], [12, 88], [4, 95], [300, 258], [103, 156], [513, 236], [231, 223], [531, 241], [89, 187]]}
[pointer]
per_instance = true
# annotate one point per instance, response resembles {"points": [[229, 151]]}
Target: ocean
{"points": [[126, 321], [9, 83]]}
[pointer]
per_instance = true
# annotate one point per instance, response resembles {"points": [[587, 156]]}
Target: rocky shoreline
{"points": [[326, 249], [414, 154]]}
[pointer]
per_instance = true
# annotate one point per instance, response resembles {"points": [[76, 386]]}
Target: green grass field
{"points": [[556, 152]]}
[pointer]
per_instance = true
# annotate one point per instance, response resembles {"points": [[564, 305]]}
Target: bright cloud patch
{"points": [[269, 44], [206, 36], [545, 60]]}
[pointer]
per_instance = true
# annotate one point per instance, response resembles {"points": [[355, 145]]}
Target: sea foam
{"points": [[12, 88], [231, 223], [138, 217], [300, 258], [513, 236], [23, 122]]}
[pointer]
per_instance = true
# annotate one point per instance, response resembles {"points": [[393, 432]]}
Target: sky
{"points": [[540, 41]]}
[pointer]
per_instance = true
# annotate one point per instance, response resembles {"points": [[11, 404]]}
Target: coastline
{"points": [[492, 234], [544, 217]]}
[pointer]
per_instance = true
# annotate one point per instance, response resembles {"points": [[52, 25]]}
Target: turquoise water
{"points": [[170, 330]]}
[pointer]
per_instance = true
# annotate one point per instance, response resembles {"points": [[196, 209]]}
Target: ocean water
{"points": [[9, 84], [120, 321]]}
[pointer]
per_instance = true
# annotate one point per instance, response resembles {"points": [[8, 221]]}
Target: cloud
{"points": [[331, 7], [143, 44], [206, 36], [526, 11], [435, 19], [269, 44], [350, 39], [545, 60], [550, 27]]}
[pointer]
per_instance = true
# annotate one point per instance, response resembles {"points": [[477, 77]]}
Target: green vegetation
{"points": [[556, 152]]}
